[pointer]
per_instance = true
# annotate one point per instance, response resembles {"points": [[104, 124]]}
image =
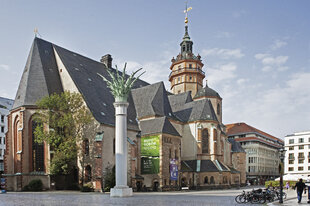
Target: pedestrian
{"points": [[300, 188], [287, 185]]}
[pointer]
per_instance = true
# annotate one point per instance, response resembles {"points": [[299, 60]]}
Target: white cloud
{"points": [[4, 67], [223, 34], [280, 110], [223, 53], [278, 44], [242, 81], [261, 56], [279, 60], [272, 63], [221, 72]]}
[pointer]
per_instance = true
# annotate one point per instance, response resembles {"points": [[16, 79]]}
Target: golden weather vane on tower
{"points": [[186, 11]]}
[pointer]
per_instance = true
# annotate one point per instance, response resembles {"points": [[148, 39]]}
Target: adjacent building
{"points": [[297, 154], [5, 106], [262, 151]]}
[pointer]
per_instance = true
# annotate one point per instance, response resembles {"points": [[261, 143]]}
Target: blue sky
{"points": [[256, 53]]}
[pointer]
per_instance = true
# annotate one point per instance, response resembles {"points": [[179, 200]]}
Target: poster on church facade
{"points": [[173, 169], [150, 146], [149, 165]]}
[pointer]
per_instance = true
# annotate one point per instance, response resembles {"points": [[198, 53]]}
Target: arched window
{"points": [[183, 47], [205, 141], [206, 180], [88, 173], [218, 109], [37, 152], [215, 140], [224, 180], [212, 180], [86, 147]]}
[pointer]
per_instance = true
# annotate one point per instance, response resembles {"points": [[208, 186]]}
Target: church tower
{"points": [[186, 69]]}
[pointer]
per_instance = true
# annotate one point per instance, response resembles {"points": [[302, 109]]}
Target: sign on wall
{"points": [[150, 146], [150, 155], [149, 165], [173, 169]]}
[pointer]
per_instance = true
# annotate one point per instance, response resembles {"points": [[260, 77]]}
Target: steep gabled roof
{"points": [[157, 125], [40, 77], [178, 100], [205, 166], [195, 110], [152, 100], [84, 73]]}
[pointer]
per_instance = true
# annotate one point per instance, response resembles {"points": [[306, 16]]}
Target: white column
{"points": [[121, 189]]}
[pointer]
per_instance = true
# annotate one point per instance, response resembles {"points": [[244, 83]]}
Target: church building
{"points": [[174, 139]]}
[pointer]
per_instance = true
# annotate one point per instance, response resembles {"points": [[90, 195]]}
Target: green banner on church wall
{"points": [[149, 165], [150, 146]]}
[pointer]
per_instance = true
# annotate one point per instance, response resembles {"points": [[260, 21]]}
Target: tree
{"points": [[62, 119]]}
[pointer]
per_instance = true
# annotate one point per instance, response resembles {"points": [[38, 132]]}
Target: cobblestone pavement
{"points": [[292, 199], [59, 198]]}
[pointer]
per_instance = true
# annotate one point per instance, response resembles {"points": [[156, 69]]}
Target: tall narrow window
{"points": [[37, 152], [86, 147], [218, 109], [88, 173], [205, 141]]}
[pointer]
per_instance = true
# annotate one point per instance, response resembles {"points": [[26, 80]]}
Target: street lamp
{"points": [[281, 170]]}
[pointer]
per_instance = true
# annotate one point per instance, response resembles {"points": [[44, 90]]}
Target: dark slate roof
{"points": [[205, 166], [84, 73], [178, 100], [195, 110], [40, 77], [152, 100], [233, 170], [235, 146], [157, 125], [206, 92]]}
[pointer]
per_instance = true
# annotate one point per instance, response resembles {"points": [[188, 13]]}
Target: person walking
{"points": [[300, 188], [287, 185]]}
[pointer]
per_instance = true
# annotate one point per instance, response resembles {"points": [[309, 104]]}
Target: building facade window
{"points": [[88, 173], [291, 156], [212, 180], [206, 180], [291, 148], [301, 140], [300, 161], [218, 109], [291, 161], [300, 168], [37, 152], [291, 141], [301, 147], [2, 129], [291, 169], [205, 141], [2, 118], [86, 147]]}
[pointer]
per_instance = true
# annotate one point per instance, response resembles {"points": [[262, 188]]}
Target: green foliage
{"points": [[34, 185], [274, 183], [109, 179], [120, 85], [87, 188], [61, 121]]}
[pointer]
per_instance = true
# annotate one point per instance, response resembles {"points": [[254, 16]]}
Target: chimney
{"points": [[107, 60]]}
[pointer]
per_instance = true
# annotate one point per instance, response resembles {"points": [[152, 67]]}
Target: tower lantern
{"points": [[186, 69]]}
